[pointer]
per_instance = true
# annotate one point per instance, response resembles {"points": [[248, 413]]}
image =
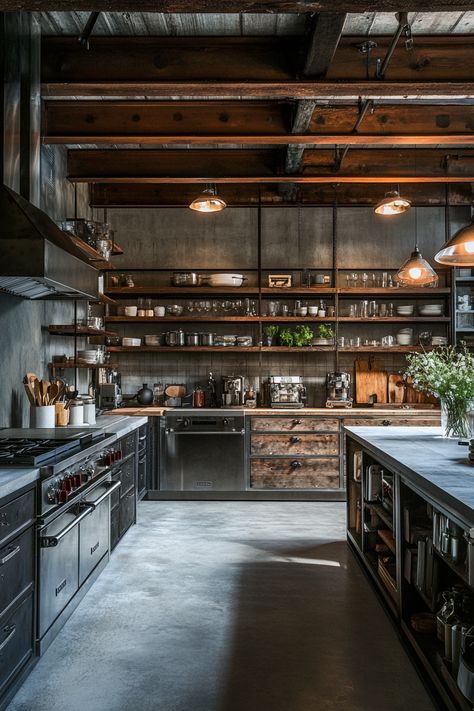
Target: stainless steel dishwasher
{"points": [[202, 451]]}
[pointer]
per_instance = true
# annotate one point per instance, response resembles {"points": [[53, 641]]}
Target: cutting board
{"points": [[370, 380], [396, 388]]}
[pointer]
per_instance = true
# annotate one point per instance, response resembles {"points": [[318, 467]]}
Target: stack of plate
{"points": [[431, 310], [88, 356], [439, 341], [131, 341], [244, 340], [405, 310], [405, 336]]}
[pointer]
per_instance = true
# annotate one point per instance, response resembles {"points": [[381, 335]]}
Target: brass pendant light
{"points": [[416, 271], [392, 204], [208, 201], [459, 249]]}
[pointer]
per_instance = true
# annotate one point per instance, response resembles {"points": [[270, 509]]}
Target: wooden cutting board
{"points": [[396, 388], [370, 380]]}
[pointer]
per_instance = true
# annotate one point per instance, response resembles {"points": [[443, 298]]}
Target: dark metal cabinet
{"points": [[17, 570], [123, 511]]}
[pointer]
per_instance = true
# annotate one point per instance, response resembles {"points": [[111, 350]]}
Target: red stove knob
{"points": [[63, 496], [66, 485], [77, 480], [117, 455]]}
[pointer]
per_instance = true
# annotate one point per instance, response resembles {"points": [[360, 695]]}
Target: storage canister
{"points": [[76, 412], [89, 409], [192, 339]]}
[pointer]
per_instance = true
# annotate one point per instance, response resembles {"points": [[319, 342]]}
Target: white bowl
{"points": [[131, 310], [226, 279], [404, 339], [313, 310], [131, 341]]}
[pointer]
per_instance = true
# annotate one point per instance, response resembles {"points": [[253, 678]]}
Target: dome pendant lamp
{"points": [[459, 249], [416, 271], [392, 204], [208, 201]]}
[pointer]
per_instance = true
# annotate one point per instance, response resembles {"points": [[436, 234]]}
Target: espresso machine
{"points": [[338, 390], [110, 392], [285, 391], [233, 389]]}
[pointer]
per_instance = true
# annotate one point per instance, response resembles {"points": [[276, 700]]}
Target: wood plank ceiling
{"points": [[287, 105]]}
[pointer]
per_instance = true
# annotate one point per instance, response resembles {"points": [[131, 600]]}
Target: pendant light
{"points": [[416, 271], [392, 204], [459, 249], [208, 201]]}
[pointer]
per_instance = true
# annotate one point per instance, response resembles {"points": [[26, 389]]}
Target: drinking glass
{"points": [[354, 279], [383, 310]]}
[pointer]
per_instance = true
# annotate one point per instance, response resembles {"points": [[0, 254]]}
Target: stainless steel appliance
{"points": [[338, 389], [202, 452], [73, 514], [109, 396], [285, 391], [233, 388]]}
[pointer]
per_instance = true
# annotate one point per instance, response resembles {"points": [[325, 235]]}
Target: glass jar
{"points": [[199, 396]]}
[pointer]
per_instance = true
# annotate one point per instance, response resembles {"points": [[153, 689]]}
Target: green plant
{"points": [[271, 330], [325, 331], [303, 335], [286, 337]]}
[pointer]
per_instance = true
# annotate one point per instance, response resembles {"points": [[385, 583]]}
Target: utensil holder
{"points": [[62, 415], [42, 416]]}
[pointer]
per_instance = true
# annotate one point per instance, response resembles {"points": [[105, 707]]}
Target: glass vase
{"points": [[454, 417]]}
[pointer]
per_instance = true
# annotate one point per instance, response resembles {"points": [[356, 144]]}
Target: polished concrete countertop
{"points": [[435, 464], [327, 411], [13, 479]]}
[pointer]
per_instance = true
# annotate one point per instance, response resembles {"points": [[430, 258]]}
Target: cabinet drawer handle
{"points": [[295, 440], [297, 422], [386, 423], [295, 464], [11, 631], [11, 554]]}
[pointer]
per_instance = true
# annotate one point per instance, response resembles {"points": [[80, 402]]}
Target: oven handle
{"points": [[111, 487], [51, 541], [203, 432]]}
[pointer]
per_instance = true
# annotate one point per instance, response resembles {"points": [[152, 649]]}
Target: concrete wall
{"points": [[291, 239]]}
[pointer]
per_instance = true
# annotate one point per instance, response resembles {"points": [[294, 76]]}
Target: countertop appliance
{"points": [[285, 391], [338, 389], [202, 451], [233, 388], [73, 519], [110, 396]]}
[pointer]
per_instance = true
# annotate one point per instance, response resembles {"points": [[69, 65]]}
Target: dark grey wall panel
{"points": [[297, 238]]}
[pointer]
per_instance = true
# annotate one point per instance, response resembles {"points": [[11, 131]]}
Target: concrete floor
{"points": [[224, 606]]}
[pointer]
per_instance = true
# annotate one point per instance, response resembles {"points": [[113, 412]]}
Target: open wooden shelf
{"points": [[388, 349], [219, 319], [400, 291], [71, 330], [68, 365], [181, 349], [394, 319], [309, 291]]}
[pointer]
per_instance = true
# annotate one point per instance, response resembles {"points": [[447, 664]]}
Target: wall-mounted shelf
{"points": [[71, 330], [68, 365], [219, 319]]}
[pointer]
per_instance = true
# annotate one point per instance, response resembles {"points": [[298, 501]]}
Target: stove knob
{"points": [[52, 494], [186, 422], [66, 485], [63, 496], [77, 480], [225, 422], [117, 455]]}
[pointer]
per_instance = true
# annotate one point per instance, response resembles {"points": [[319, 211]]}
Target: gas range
{"points": [[71, 462]]}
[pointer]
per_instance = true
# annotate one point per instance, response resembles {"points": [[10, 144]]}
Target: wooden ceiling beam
{"points": [[265, 166], [253, 67], [251, 123], [104, 195], [236, 6]]}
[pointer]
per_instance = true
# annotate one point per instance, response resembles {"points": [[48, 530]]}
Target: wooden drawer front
{"points": [[397, 421], [296, 423], [17, 515], [294, 474], [294, 445]]}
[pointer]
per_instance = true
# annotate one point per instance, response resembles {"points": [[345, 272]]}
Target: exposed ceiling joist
{"points": [[236, 6], [250, 123], [103, 195], [265, 166]]}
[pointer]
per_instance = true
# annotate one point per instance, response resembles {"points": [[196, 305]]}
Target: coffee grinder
{"points": [[338, 390]]}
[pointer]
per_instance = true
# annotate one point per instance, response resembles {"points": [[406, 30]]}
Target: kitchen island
{"points": [[410, 515]]}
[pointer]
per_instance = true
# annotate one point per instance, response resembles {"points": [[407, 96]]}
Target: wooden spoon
{"points": [[30, 394], [53, 393], [37, 392]]}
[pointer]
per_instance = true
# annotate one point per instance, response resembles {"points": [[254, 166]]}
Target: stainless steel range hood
{"points": [[37, 260]]}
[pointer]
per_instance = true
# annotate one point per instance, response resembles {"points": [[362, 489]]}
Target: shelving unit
{"points": [[463, 321]]}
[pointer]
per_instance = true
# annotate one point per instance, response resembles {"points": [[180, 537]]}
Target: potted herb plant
{"points": [[286, 337], [325, 336], [303, 335], [270, 332]]}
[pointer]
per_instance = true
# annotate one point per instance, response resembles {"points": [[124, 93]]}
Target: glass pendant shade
{"points": [[459, 250], [416, 271], [208, 201], [392, 204]]}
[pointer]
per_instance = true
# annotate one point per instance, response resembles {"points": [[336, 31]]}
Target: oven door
{"points": [[94, 530], [59, 564]]}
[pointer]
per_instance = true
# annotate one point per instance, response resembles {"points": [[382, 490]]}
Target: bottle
{"points": [[198, 396], [211, 388]]}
